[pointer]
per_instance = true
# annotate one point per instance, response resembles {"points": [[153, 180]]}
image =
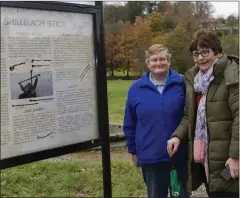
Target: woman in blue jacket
{"points": [[154, 109]]}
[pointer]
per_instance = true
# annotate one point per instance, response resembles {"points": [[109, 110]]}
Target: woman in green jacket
{"points": [[211, 118]]}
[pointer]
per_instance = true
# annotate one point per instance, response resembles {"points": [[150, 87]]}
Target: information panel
{"points": [[48, 80]]}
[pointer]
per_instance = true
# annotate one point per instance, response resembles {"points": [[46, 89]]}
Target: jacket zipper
{"points": [[208, 136], [164, 88]]}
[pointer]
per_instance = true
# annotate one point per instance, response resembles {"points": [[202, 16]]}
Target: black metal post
{"points": [[106, 162]]}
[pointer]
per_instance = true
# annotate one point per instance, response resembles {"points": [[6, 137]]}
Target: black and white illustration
{"points": [[32, 62], [31, 85]]}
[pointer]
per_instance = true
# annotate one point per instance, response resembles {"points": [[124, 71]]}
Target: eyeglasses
{"points": [[204, 53]]}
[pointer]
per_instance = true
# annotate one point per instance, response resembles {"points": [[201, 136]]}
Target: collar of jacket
{"points": [[173, 77], [218, 70]]}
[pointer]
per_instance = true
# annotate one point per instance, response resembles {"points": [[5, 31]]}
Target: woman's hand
{"points": [[172, 146], [134, 159], [233, 165]]}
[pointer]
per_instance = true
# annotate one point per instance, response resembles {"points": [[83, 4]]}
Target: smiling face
{"points": [[205, 47], [204, 58], [158, 63]]}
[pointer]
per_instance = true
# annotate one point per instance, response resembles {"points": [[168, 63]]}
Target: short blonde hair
{"points": [[154, 49]]}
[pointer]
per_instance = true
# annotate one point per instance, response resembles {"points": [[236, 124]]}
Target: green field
{"points": [[121, 73], [70, 179], [117, 94]]}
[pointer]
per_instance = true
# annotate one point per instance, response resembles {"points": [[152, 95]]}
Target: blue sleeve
{"points": [[129, 125]]}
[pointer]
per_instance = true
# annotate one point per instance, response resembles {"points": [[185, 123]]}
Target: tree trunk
{"points": [[128, 67], [142, 69], [112, 69], [141, 72]]}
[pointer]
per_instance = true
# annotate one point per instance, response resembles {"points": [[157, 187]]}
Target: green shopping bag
{"points": [[175, 186]]}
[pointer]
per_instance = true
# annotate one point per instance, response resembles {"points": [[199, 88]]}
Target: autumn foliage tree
{"points": [[126, 46], [112, 33], [143, 35]]}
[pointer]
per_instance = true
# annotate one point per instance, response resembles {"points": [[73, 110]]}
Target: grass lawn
{"points": [[70, 179], [121, 73], [117, 94]]}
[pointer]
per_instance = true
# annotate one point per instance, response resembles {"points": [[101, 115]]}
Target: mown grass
{"points": [[70, 179], [121, 73], [117, 94]]}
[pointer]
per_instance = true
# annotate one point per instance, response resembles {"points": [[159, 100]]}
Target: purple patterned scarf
{"points": [[200, 148]]}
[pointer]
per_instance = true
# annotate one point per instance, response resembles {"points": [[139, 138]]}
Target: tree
{"points": [[112, 32], [221, 19], [233, 22], [143, 35], [171, 21], [115, 13], [230, 44], [203, 9], [156, 22], [181, 12], [126, 46], [177, 42], [110, 42], [158, 6], [135, 8]]}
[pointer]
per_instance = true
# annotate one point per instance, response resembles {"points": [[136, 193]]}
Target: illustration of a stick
{"points": [[13, 66], [40, 65], [30, 78], [38, 60], [84, 72]]}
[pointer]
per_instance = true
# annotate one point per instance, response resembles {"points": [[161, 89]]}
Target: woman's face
{"points": [[158, 63], [204, 58]]}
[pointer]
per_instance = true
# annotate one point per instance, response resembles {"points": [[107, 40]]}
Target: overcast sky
{"points": [[226, 8]]}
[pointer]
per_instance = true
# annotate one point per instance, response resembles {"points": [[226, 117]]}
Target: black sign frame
{"points": [[101, 86]]}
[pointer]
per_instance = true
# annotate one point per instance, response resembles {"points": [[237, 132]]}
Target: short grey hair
{"points": [[154, 49]]}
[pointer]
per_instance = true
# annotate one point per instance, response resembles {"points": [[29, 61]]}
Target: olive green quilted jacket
{"points": [[222, 112]]}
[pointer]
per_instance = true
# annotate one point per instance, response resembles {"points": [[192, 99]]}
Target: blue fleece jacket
{"points": [[151, 118]]}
